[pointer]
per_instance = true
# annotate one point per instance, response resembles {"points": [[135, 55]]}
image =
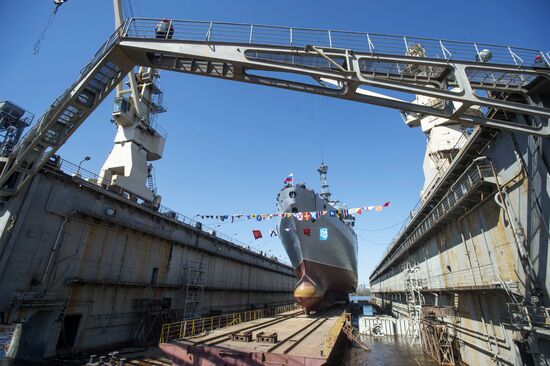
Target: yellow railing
{"points": [[333, 333], [192, 327]]}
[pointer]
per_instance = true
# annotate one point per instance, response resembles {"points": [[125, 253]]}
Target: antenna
{"points": [[325, 193]]}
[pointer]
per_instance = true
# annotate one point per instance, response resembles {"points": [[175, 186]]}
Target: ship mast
{"points": [[325, 193]]}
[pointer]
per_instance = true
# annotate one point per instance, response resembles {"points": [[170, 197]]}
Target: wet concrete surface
{"points": [[388, 350]]}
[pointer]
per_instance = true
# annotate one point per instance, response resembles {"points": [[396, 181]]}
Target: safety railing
{"points": [[522, 315], [473, 176], [93, 178], [430, 187], [485, 275], [332, 336], [193, 327], [105, 47], [269, 35]]}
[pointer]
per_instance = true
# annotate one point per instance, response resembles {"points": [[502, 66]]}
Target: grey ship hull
{"points": [[326, 269]]}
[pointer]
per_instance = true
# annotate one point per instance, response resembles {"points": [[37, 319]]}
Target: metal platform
{"points": [[300, 340]]}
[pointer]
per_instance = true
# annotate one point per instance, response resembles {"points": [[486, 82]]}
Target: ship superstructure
{"points": [[323, 249]]}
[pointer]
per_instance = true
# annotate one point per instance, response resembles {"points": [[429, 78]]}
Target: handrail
{"points": [[93, 178], [187, 328], [227, 32], [469, 179], [105, 47], [430, 187], [332, 336]]}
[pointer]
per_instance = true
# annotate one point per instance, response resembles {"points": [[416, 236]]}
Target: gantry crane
{"points": [[448, 82]]}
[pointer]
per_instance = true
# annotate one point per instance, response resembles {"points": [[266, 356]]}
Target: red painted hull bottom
{"points": [[182, 354], [321, 285]]}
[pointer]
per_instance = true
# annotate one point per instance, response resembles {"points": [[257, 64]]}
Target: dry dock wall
{"points": [[81, 267], [485, 256]]}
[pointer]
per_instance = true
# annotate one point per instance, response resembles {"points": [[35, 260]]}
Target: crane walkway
{"points": [[364, 67]]}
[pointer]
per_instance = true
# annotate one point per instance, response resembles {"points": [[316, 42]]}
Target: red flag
{"points": [[257, 234], [386, 204], [307, 231], [307, 216]]}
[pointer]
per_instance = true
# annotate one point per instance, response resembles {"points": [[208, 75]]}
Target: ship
{"points": [[320, 242]]}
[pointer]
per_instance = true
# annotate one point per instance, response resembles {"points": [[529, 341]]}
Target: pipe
{"points": [[53, 252], [524, 256]]}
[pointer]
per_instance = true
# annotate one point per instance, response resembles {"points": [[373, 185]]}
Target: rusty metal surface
{"points": [[437, 341], [99, 271], [181, 354], [438, 311], [490, 261]]}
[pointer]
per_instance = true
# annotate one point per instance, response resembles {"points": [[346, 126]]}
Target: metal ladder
{"points": [[414, 301], [195, 273]]}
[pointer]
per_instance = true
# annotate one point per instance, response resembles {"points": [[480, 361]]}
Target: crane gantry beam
{"points": [[370, 68]]}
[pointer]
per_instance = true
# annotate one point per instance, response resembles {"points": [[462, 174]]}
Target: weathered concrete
{"points": [[77, 258], [489, 254]]}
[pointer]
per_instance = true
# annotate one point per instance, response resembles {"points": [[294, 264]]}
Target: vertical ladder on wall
{"points": [[195, 275], [413, 287], [492, 342]]}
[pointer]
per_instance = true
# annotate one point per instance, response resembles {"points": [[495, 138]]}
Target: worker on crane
{"points": [[164, 29]]}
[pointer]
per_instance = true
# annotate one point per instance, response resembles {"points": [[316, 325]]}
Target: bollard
{"points": [[113, 357]]}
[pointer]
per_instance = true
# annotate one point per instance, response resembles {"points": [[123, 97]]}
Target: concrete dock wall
{"points": [[81, 266], [485, 258]]}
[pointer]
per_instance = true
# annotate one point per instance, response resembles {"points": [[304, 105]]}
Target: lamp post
{"points": [[87, 158]]}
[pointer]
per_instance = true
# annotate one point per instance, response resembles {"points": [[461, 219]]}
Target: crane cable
{"points": [[36, 46]]}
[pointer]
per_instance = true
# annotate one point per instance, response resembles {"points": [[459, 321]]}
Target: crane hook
{"points": [[38, 42], [58, 3]]}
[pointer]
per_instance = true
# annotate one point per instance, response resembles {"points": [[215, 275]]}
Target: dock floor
{"points": [[300, 339]]}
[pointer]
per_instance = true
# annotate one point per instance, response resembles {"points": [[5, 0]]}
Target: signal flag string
{"points": [[300, 216]]}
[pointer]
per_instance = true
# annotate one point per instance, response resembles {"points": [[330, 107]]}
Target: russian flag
{"points": [[289, 179]]}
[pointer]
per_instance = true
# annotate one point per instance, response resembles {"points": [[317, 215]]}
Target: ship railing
{"points": [[196, 326], [374, 43], [332, 336], [95, 179]]}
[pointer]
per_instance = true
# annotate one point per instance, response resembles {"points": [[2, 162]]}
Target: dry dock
{"points": [[289, 338], [470, 269], [83, 268]]}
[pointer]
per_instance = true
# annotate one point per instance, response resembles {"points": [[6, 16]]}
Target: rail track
{"points": [[313, 325], [302, 332], [227, 336]]}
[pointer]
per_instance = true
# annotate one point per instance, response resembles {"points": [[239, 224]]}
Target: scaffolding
{"points": [[153, 313], [195, 273], [437, 340], [415, 300], [13, 120]]}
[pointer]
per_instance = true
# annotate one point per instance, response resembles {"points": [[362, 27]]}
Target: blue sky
{"points": [[230, 145]]}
